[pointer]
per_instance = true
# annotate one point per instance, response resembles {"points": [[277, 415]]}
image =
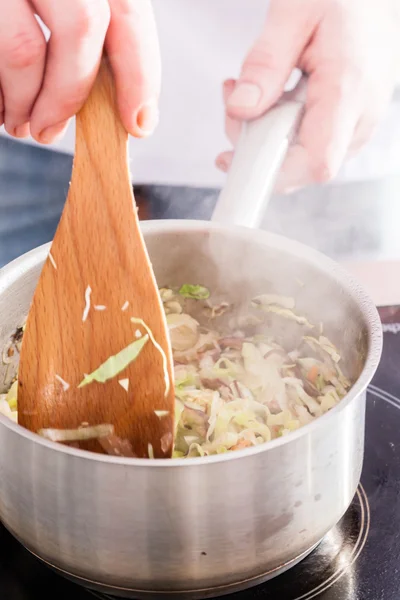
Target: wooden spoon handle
{"points": [[100, 113], [101, 153]]}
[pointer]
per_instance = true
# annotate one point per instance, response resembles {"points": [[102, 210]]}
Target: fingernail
{"points": [[53, 133], [147, 117], [245, 95], [22, 131]]}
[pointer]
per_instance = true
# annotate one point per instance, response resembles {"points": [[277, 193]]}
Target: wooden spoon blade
{"points": [[97, 278]]}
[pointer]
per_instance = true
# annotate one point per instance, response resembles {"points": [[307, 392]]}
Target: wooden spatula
{"points": [[97, 277]]}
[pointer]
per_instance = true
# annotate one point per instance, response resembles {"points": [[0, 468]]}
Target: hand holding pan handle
{"points": [[258, 157]]}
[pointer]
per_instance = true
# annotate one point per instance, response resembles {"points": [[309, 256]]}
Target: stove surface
{"points": [[357, 560]]}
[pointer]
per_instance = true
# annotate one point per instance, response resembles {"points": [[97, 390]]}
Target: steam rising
{"points": [[242, 264]]}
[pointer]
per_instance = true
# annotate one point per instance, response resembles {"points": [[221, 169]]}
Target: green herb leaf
{"points": [[197, 292]]}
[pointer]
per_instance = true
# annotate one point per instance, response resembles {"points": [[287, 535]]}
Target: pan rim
{"points": [[23, 264]]}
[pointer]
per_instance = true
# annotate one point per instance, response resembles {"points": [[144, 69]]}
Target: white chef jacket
{"points": [[203, 42]]}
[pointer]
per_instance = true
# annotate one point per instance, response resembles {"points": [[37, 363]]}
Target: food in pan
{"points": [[237, 384]]}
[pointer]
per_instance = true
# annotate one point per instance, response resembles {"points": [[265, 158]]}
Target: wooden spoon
{"points": [[96, 278]]}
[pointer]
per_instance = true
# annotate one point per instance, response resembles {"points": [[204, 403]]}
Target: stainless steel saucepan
{"points": [[207, 526]]}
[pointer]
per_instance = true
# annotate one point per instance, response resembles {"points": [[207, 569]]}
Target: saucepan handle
{"points": [[258, 157]]}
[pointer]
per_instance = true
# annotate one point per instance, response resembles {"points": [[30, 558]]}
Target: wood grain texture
{"points": [[99, 244]]}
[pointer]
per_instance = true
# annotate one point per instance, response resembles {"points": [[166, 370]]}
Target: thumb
{"points": [[275, 54]]}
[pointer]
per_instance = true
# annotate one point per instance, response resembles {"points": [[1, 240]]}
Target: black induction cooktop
{"points": [[357, 560]]}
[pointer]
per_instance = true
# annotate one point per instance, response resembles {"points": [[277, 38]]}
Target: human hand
{"points": [[42, 85], [348, 49]]}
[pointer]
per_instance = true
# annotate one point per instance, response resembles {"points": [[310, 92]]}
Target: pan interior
{"points": [[235, 268]]}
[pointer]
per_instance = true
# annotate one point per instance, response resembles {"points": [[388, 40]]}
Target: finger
{"points": [[333, 108], [273, 57], [22, 60], [78, 29], [363, 133], [224, 161], [370, 119], [232, 126], [295, 172], [133, 49]]}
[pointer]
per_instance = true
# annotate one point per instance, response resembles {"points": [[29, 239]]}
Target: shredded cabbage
{"points": [[274, 299], [160, 350], [117, 363], [77, 435], [282, 311], [236, 386]]}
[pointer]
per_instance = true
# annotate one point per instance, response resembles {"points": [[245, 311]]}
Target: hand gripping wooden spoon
{"points": [[96, 278]]}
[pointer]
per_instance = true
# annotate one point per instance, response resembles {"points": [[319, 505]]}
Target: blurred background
{"points": [[353, 218]]}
